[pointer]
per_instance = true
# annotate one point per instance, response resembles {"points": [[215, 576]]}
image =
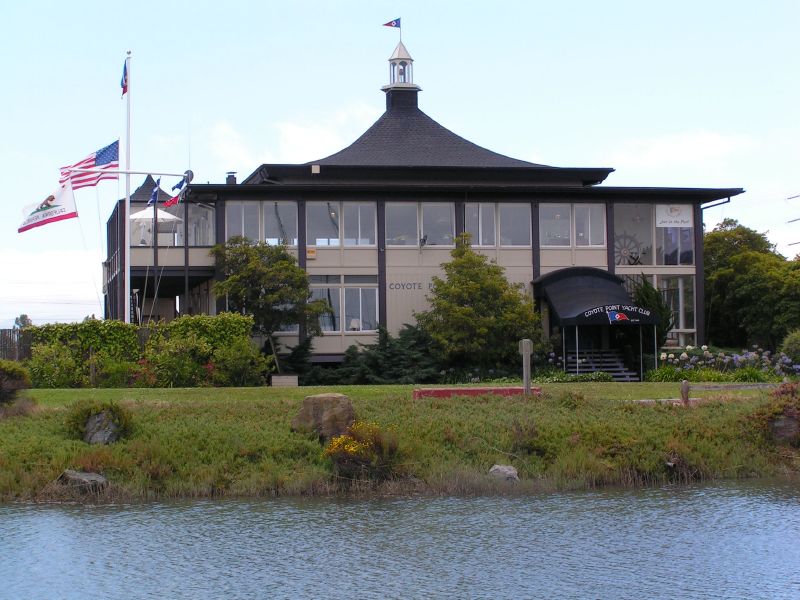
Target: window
{"points": [[359, 223], [280, 223], [479, 222], [633, 234], [322, 223], [554, 224], [438, 224], [515, 224], [590, 224], [202, 224], [241, 218], [568, 225], [401, 224], [360, 293], [675, 245]]}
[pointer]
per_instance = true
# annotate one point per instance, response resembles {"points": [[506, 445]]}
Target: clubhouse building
{"points": [[372, 223]]}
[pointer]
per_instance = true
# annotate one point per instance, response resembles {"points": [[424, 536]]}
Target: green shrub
{"points": [[365, 452], [749, 375], [13, 378], [180, 361], [79, 412], [217, 331], [240, 364], [110, 372], [54, 366], [791, 346], [114, 338]]}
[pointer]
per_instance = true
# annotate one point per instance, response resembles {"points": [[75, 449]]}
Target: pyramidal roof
{"points": [[404, 136], [407, 137]]}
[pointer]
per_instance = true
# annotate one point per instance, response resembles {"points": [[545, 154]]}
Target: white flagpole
{"points": [[127, 224]]}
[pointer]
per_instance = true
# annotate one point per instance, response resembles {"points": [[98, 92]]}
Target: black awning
{"points": [[587, 296]]}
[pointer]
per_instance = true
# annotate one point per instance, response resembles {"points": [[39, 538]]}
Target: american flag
{"points": [[106, 158]]}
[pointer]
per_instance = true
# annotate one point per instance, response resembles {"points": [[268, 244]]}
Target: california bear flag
{"points": [[57, 206]]}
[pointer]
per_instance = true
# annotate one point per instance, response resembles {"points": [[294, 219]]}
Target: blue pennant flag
{"points": [[179, 185], [395, 23], [154, 195]]}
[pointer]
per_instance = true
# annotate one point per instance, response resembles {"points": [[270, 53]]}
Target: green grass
{"points": [[237, 442]]}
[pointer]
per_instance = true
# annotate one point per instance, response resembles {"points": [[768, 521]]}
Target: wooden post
{"points": [[526, 349]]}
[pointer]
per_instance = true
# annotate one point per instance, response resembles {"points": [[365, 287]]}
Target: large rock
{"points": [[505, 472], [785, 428], [82, 482], [328, 415], [101, 429]]}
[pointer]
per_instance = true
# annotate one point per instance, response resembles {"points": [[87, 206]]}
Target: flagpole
{"points": [[127, 225]]}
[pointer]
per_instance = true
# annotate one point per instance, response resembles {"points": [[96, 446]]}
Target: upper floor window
{"points": [[438, 224], [241, 218], [646, 234], [479, 222], [322, 223], [567, 225], [340, 223], [515, 224], [401, 224], [359, 223], [280, 223]]}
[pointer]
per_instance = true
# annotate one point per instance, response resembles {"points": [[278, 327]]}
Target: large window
{"points": [[322, 223], [280, 223], [241, 218], [401, 224], [554, 225], [479, 222], [352, 298], [515, 224], [633, 234], [359, 223], [566, 225], [678, 291], [438, 224]]}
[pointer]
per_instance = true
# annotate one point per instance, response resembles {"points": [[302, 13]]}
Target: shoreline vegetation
{"points": [[237, 442]]}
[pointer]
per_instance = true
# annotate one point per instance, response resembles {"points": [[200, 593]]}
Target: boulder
{"points": [[82, 482], [785, 428], [101, 429], [685, 391], [504, 472], [328, 415]]}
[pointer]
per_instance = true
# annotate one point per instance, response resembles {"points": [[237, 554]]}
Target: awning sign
{"points": [[618, 314]]}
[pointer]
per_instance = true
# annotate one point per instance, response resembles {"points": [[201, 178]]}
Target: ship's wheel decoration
{"points": [[627, 250]]}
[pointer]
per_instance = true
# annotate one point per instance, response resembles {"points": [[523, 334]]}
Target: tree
{"points": [[721, 249], [266, 282], [22, 321], [644, 294], [477, 317]]}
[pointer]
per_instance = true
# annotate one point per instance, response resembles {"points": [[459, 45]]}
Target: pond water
{"points": [[729, 540]]}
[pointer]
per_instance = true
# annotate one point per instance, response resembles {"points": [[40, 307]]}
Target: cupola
{"points": [[401, 91]]}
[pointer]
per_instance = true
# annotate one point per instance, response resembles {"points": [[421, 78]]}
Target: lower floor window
{"points": [[354, 305]]}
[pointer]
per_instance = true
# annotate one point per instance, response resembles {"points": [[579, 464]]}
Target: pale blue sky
{"points": [[685, 93]]}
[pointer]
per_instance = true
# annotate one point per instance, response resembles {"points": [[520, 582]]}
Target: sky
{"points": [[678, 94]]}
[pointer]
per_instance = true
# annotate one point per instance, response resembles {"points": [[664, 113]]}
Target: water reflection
{"points": [[737, 540]]}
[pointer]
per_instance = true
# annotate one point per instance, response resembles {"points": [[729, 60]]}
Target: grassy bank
{"points": [[237, 442]]}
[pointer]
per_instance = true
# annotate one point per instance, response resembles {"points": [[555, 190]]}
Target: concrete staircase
{"points": [[609, 361]]}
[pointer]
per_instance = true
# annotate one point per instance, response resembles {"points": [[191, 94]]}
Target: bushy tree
{"points": [[740, 276], [22, 321], [476, 316], [265, 281]]}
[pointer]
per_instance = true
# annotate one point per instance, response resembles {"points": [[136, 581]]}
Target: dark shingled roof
{"points": [[407, 137], [143, 192]]}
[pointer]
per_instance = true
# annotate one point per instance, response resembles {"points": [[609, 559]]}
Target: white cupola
{"points": [[401, 69]]}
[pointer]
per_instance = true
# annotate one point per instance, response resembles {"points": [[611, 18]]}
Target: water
{"points": [[732, 540]]}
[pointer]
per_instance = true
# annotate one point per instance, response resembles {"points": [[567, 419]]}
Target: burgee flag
{"points": [[106, 158], [395, 23], [57, 206], [124, 82], [154, 195]]}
